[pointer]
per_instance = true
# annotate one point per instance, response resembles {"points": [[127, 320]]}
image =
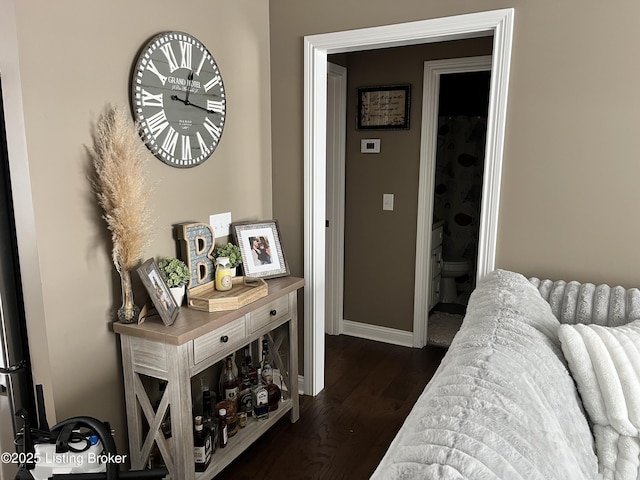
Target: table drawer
{"points": [[269, 313], [223, 338]]}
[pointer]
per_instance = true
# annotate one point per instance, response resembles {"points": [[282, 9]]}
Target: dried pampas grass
{"points": [[120, 159]]}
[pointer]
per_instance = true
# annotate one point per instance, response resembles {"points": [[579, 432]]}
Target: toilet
{"points": [[452, 269]]}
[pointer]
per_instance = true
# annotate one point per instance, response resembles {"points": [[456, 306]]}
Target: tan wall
{"points": [[75, 58], [394, 170], [568, 200], [568, 203]]}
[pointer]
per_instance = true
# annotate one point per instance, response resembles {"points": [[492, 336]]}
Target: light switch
{"points": [[387, 201]]}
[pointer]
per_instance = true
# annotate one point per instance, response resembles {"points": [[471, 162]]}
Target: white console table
{"points": [[196, 341]]}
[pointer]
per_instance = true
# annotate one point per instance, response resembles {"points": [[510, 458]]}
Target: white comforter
{"points": [[502, 404]]}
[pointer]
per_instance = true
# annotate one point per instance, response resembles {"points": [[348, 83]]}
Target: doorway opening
{"points": [[462, 130], [435, 215], [16, 382], [498, 23]]}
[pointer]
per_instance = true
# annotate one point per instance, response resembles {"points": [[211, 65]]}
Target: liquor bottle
{"points": [[265, 366], [252, 372], [208, 420], [260, 397], [273, 391], [273, 394], [245, 400], [201, 445], [222, 372], [230, 384], [232, 417], [222, 431]]}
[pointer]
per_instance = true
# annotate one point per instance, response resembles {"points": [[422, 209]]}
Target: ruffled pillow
{"points": [[605, 364]]}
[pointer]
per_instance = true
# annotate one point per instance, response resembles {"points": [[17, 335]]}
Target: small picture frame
{"points": [[261, 248], [384, 108], [158, 291]]}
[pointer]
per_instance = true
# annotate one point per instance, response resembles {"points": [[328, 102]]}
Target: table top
{"points": [[191, 324]]}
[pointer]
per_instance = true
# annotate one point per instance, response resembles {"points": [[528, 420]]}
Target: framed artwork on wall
{"points": [[384, 108], [261, 248], [158, 291]]}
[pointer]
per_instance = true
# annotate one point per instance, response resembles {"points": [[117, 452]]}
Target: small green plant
{"points": [[231, 251], [174, 271]]}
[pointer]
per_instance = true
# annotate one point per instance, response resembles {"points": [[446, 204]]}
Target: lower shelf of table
{"points": [[241, 440]]}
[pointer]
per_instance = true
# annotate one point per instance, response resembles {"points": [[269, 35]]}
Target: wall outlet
{"points": [[221, 224], [387, 201]]}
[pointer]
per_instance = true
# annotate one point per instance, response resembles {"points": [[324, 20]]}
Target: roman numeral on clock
{"points": [[171, 57], [185, 50], [212, 83], [170, 141], [216, 106], [186, 147], [151, 100], [204, 148], [213, 129], [153, 69], [157, 123], [201, 64]]}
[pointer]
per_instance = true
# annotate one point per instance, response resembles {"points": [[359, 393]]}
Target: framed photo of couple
{"points": [[158, 291], [261, 248]]}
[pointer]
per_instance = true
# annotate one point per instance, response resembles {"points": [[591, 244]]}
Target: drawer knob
{"points": [[224, 339], [273, 313]]}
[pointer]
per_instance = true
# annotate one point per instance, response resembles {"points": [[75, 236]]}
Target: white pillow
{"points": [[605, 364]]}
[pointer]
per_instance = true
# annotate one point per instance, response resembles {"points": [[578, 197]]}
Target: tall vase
{"points": [[129, 311]]}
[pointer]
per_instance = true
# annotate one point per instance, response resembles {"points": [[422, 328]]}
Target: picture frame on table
{"points": [[159, 292], [261, 247], [384, 107]]}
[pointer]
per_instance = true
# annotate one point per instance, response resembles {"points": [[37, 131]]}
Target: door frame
{"points": [[433, 69], [336, 157], [499, 24]]}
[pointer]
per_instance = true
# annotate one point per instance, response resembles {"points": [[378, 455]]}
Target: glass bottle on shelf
{"points": [[265, 366], [208, 420], [230, 384], [273, 391], [201, 445], [222, 432], [222, 371], [245, 400], [252, 372], [260, 397]]}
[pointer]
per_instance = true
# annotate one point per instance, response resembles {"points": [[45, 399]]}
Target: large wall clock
{"points": [[178, 99]]}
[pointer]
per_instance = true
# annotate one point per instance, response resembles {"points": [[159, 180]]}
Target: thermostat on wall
{"points": [[370, 145]]}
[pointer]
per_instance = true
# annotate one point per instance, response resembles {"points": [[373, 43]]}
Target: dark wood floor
{"points": [[344, 431]]}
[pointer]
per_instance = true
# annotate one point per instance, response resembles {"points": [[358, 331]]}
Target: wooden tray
{"points": [[207, 299]]}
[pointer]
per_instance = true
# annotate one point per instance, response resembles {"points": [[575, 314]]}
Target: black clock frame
{"points": [[178, 99]]}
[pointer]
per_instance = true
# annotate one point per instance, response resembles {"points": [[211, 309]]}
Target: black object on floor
{"points": [[453, 308]]}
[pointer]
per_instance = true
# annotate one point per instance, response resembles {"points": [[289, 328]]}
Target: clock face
{"points": [[178, 99]]}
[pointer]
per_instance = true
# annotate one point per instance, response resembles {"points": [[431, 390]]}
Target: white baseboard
{"points": [[301, 385], [276, 375], [379, 334]]}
